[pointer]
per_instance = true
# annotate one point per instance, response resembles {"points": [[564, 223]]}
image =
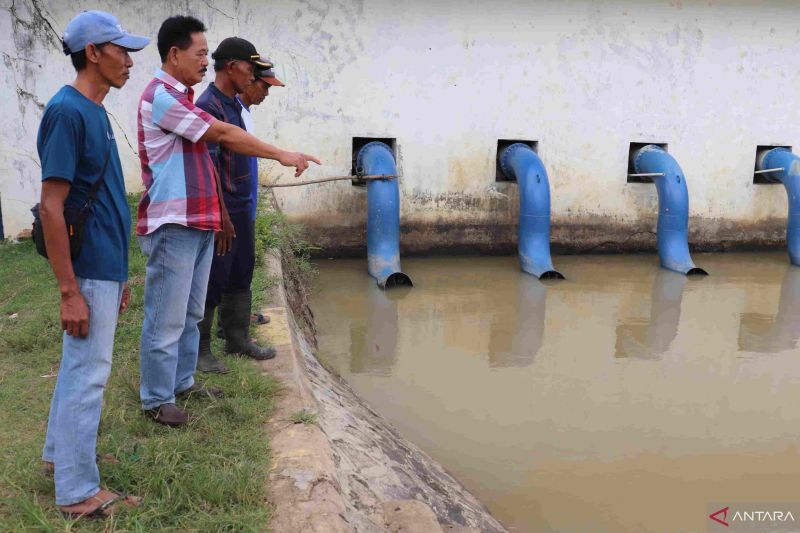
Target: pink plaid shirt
{"points": [[177, 171]]}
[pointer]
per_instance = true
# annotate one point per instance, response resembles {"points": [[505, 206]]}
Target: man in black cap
{"points": [[235, 61]]}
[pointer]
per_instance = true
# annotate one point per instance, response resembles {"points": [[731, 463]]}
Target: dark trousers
{"points": [[233, 272]]}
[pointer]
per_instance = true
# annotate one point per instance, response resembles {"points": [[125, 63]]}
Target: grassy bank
{"points": [[207, 477]]}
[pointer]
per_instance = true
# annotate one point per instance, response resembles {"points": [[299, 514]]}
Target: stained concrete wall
{"points": [[448, 79]]}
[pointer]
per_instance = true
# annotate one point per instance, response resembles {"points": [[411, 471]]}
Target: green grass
{"points": [[304, 417], [274, 232], [210, 476]]}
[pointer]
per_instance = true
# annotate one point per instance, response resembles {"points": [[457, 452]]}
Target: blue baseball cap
{"points": [[98, 27]]}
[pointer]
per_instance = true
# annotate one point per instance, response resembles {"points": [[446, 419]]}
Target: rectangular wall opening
{"points": [[502, 144], [633, 148], [762, 179], [358, 144]]}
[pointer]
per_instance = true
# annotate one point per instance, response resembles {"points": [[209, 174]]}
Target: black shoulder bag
{"points": [[74, 217]]}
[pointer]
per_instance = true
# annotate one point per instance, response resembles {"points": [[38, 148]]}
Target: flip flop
{"points": [[259, 319], [106, 508]]}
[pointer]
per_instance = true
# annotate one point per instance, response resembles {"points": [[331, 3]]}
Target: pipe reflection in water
{"points": [[515, 343], [647, 339], [374, 343], [771, 334]]}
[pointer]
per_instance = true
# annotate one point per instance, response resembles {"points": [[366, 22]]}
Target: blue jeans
{"points": [[178, 263], [71, 441]]}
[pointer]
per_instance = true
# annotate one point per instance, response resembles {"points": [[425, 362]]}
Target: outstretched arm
{"points": [[238, 140]]}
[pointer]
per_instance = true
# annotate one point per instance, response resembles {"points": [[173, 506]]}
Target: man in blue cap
{"points": [[77, 150]]}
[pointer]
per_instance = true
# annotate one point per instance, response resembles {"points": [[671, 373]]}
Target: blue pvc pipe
{"points": [[673, 208], [521, 162], [790, 177], [383, 216]]}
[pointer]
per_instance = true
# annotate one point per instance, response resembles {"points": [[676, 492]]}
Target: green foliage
{"points": [[273, 232], [304, 417]]}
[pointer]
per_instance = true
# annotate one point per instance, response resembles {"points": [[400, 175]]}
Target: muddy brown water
{"points": [[626, 398]]}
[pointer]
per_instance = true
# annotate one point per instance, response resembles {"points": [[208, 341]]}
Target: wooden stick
{"points": [[336, 178]]}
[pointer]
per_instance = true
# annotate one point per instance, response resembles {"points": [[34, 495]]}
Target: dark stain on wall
{"points": [[577, 235]]}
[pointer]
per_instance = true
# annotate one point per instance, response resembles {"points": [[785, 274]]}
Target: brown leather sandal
{"points": [[104, 508]]}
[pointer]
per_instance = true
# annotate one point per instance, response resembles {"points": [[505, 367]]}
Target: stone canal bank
{"points": [[337, 465]]}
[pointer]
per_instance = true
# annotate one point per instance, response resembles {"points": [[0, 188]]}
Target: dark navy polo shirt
{"points": [[233, 168]]}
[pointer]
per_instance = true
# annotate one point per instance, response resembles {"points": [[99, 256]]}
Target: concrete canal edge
{"points": [[347, 470]]}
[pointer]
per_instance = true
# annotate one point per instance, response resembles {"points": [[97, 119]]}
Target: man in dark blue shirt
{"points": [[231, 274], [77, 148], [254, 95]]}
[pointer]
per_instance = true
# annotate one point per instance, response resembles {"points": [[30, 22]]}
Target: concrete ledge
{"points": [[349, 471], [594, 234]]}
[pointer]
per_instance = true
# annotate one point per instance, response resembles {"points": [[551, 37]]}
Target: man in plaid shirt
{"points": [[181, 216]]}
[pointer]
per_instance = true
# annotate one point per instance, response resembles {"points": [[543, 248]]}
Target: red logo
{"points": [[724, 513]]}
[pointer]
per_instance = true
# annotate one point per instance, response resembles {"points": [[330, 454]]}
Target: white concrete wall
{"points": [[447, 79]]}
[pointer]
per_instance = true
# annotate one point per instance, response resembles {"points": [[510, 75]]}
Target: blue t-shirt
{"points": [[75, 137], [233, 168]]}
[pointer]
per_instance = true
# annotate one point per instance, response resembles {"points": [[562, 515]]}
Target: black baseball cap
{"points": [[241, 49]]}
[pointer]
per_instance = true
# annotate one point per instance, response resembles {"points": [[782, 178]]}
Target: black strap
{"points": [[99, 183]]}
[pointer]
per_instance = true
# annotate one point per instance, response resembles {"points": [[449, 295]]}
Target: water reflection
{"points": [[515, 337], [649, 338], [563, 438], [373, 341], [774, 333]]}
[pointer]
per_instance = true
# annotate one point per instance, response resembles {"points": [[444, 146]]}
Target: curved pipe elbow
{"points": [[673, 208], [781, 158], [521, 162], [383, 216]]}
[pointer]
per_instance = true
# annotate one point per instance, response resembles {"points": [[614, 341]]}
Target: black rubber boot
{"points": [[206, 362], [234, 312]]}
